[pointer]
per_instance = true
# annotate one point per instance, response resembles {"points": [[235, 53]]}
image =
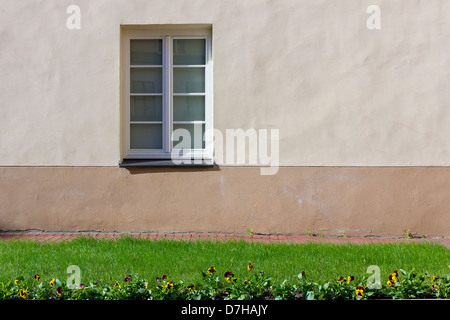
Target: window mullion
{"points": [[167, 70], [127, 94]]}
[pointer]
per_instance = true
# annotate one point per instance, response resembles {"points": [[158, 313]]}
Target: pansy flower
{"points": [[211, 269], [228, 276], [169, 285], [360, 291], [190, 287], [24, 293], [393, 277]]}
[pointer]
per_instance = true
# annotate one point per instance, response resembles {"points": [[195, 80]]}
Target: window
{"points": [[167, 93]]}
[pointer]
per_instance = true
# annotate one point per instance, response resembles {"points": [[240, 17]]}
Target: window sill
{"points": [[163, 163]]}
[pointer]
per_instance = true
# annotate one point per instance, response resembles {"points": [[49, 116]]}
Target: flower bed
{"points": [[225, 286]]}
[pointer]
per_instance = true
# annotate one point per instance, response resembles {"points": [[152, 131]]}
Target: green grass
{"points": [[110, 260]]}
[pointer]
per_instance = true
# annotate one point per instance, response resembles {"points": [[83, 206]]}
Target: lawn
{"points": [[111, 260]]}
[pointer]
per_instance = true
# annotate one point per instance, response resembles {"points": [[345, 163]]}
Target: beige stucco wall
{"points": [[340, 94]]}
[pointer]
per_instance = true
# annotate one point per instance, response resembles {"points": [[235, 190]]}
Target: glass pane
{"points": [[188, 108], [188, 80], [146, 108], [189, 51], [146, 136], [148, 80], [146, 52], [195, 133]]}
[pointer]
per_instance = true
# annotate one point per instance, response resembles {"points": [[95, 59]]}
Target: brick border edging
{"points": [[265, 238]]}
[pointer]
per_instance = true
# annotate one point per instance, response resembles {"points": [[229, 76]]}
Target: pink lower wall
{"points": [[363, 201]]}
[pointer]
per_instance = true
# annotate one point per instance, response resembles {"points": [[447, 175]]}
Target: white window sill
{"points": [[164, 163]]}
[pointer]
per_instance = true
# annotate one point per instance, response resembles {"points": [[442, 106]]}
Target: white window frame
{"points": [[167, 35]]}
